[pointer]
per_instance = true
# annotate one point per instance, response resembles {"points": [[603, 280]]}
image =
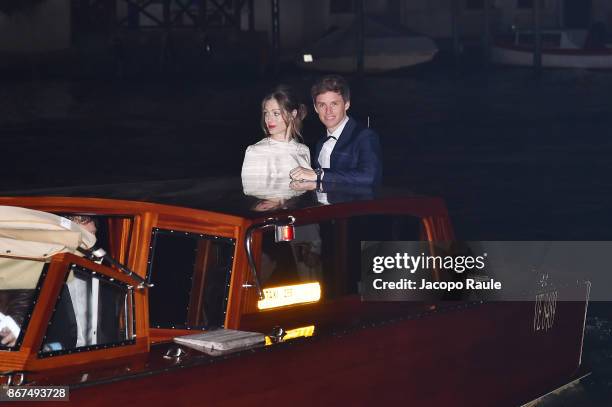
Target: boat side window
{"points": [[113, 232], [302, 260], [91, 312], [372, 228], [19, 283], [191, 276], [329, 252]]}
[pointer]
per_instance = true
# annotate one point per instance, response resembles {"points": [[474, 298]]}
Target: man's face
{"points": [[331, 108], [90, 227]]}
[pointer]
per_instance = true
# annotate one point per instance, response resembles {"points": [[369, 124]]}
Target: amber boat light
{"points": [[301, 332], [290, 295]]}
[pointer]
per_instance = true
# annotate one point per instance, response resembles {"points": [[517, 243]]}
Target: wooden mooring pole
{"points": [[360, 45], [454, 4], [276, 35], [537, 31], [486, 34]]}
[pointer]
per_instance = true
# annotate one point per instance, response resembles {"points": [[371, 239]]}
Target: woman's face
{"points": [[273, 118]]}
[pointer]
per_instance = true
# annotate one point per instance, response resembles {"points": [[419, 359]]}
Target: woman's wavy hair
{"points": [[287, 104]]}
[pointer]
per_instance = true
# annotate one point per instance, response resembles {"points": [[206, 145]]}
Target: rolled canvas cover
{"points": [[27, 233], [19, 274]]}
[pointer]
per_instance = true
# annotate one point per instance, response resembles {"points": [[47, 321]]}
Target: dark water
{"points": [[515, 158]]}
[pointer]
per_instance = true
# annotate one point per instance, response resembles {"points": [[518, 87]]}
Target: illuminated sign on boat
{"points": [[289, 295], [302, 332]]}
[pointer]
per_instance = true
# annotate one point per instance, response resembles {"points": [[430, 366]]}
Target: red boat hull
{"points": [[469, 355]]}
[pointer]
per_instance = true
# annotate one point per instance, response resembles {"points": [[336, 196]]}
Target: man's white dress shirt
{"points": [[325, 154], [327, 147]]}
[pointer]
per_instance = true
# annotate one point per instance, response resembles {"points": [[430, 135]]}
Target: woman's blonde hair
{"points": [[287, 105]]}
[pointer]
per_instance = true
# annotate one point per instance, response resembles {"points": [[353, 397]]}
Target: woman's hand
{"points": [[268, 204], [303, 185], [303, 174]]}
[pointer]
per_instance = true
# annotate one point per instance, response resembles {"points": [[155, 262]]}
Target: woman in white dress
{"points": [[280, 151]]}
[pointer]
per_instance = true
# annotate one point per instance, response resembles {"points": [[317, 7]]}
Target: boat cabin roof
{"points": [[230, 197]]}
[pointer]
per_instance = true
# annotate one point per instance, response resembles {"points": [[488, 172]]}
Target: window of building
{"points": [[191, 276], [340, 6], [474, 4]]}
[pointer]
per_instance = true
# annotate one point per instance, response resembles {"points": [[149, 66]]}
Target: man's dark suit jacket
{"points": [[356, 157]]}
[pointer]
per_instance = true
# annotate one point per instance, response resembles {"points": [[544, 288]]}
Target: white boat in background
{"points": [[560, 49], [386, 47]]}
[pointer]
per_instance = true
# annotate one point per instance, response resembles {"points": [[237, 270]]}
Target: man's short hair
{"points": [[82, 219], [331, 83]]}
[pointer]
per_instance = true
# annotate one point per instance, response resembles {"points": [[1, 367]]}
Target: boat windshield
{"points": [[18, 281], [323, 259]]}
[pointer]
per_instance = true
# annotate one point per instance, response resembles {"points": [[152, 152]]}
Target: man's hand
{"points": [[303, 185], [302, 174], [9, 330], [8, 338]]}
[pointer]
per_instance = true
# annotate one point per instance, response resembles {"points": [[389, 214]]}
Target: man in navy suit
{"points": [[350, 153]]}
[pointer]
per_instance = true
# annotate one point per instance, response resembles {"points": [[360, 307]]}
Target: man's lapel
{"points": [[343, 140]]}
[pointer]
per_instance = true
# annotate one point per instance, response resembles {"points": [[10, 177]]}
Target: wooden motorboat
{"points": [[560, 49], [387, 46], [320, 343]]}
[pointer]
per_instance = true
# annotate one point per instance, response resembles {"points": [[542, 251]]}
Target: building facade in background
{"points": [[43, 27], [302, 22], [52, 25]]}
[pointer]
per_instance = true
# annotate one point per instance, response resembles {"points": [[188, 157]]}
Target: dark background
{"points": [[515, 155]]}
